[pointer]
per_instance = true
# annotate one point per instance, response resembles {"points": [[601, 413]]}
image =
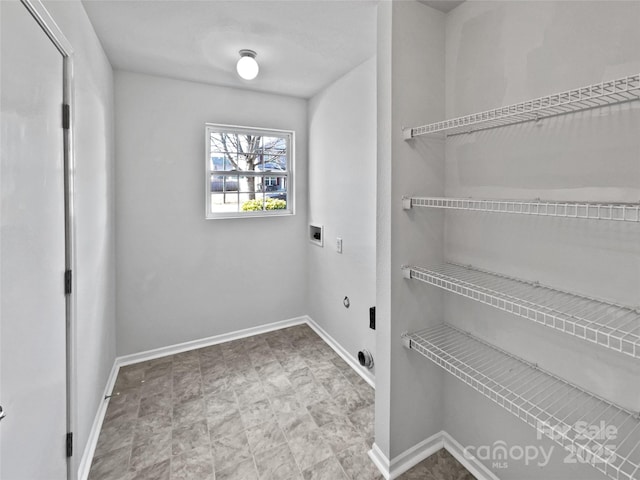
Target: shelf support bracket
{"points": [[406, 271], [406, 203], [407, 133]]}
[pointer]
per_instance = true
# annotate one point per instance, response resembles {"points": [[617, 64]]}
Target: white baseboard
{"points": [[87, 456], [389, 469], [380, 460], [94, 433], [207, 342], [407, 459], [340, 350], [471, 463], [414, 455]]}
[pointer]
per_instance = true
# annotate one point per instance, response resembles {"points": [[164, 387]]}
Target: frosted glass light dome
{"points": [[247, 66]]}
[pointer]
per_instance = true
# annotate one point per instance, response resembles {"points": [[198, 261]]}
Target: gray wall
{"points": [[342, 196], [94, 204], [500, 53], [411, 85], [181, 277], [492, 54]]}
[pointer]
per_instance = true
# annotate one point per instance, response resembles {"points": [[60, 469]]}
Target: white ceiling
{"points": [[443, 5], [302, 46]]}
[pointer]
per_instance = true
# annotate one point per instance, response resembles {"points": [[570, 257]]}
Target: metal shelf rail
{"points": [[607, 324], [625, 212], [601, 94], [573, 418]]}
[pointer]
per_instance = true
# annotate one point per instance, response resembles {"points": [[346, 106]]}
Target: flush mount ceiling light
{"points": [[247, 66]]}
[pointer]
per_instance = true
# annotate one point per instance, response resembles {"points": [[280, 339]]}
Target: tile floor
{"points": [[439, 466], [281, 405]]}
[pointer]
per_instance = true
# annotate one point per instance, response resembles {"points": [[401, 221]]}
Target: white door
{"points": [[32, 252]]}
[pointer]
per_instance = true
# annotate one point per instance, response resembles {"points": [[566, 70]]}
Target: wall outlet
{"points": [[339, 245]]}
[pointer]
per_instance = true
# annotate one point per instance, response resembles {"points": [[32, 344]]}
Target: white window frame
{"points": [[288, 135]]}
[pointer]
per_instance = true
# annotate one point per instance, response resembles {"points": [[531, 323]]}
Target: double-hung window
{"points": [[249, 172]]}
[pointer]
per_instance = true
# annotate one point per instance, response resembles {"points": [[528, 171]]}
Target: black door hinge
{"points": [[372, 318], [69, 444], [67, 282], [66, 116]]}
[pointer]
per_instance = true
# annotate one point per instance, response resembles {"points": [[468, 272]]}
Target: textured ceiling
{"points": [[302, 46]]}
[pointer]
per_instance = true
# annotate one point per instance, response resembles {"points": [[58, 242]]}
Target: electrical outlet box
{"points": [[316, 235], [339, 245]]}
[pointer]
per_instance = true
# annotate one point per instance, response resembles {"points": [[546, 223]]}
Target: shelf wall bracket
{"points": [[406, 272], [407, 133], [406, 203]]}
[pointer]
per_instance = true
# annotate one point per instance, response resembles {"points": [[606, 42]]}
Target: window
{"points": [[249, 172]]}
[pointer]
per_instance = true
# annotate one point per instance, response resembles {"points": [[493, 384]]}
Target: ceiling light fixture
{"points": [[247, 66]]}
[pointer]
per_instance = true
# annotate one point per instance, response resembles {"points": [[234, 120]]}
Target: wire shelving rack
{"points": [[557, 409], [598, 95], [624, 212], [612, 326]]}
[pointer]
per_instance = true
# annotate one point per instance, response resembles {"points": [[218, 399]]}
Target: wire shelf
{"points": [[601, 94], [607, 324], [624, 212], [580, 422]]}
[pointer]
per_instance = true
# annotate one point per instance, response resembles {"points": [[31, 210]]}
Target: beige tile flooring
{"points": [[281, 405]]}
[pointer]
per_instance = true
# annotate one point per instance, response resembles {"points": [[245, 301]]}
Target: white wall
{"points": [[94, 204], [411, 85], [181, 277], [384, 75], [505, 52], [342, 197], [498, 53]]}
